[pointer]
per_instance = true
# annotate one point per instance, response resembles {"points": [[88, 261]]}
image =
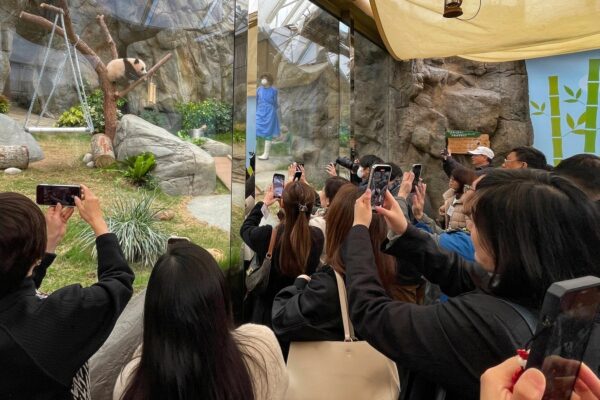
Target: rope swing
{"points": [[71, 56]]}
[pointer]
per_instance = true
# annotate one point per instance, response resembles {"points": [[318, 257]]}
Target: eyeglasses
{"points": [[506, 160]]}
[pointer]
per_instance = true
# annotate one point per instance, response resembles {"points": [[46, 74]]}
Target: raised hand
{"points": [[362, 210], [269, 198], [406, 185], [418, 200], [56, 225], [331, 169], [90, 211], [393, 215]]}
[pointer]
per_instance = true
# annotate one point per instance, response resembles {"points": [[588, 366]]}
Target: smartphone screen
{"points": [[278, 184], [566, 323], [51, 195], [378, 183], [416, 169]]}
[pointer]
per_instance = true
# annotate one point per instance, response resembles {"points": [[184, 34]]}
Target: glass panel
{"points": [[189, 96], [370, 114], [242, 187], [346, 77], [298, 113]]}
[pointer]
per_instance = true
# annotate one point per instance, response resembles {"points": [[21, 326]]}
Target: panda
{"points": [[125, 69]]}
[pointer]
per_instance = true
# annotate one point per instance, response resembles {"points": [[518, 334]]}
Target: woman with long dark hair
{"points": [[190, 348], [309, 309], [297, 247], [529, 229]]}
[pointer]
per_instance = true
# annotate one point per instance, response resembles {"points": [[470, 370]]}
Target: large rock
{"points": [[12, 134], [181, 167], [197, 70], [431, 96], [216, 149]]}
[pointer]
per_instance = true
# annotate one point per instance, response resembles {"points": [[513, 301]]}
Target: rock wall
{"points": [[428, 97]]}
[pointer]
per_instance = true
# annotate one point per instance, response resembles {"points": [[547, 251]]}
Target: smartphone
{"points": [[416, 169], [173, 240], [278, 184], [298, 173], [378, 183], [563, 332], [51, 195]]}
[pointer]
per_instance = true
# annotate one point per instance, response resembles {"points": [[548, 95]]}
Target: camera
{"points": [[347, 163]]}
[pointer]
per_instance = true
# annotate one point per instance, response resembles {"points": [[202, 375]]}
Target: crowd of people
{"points": [[448, 296]]}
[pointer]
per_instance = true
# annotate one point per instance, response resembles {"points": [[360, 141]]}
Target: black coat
{"points": [[307, 311], [450, 344], [44, 342], [257, 238]]}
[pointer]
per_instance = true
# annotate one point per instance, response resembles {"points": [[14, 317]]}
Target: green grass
{"points": [[63, 165]]}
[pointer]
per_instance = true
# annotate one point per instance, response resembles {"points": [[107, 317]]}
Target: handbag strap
{"points": [[272, 242], [348, 328]]}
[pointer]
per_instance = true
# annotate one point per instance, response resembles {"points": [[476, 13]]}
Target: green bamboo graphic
{"points": [[555, 118], [591, 110]]}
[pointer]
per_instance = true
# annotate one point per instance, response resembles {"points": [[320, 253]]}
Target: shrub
{"points": [[185, 136], [4, 104], [74, 116], [137, 169], [133, 221], [155, 118], [215, 114]]}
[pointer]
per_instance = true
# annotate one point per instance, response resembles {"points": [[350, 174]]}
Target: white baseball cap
{"points": [[486, 151]]}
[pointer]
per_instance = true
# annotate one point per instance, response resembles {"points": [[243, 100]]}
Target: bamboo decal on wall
{"points": [[555, 118], [591, 110]]}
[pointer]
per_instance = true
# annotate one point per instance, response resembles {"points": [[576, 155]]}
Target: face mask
{"points": [[264, 82], [360, 172]]}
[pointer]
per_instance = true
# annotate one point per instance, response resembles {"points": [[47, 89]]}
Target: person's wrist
{"points": [[99, 227], [52, 244], [418, 215]]}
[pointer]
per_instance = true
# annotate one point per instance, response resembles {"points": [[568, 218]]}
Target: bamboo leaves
{"points": [[540, 109]]}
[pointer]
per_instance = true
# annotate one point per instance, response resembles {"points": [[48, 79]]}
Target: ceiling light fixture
{"points": [[452, 8]]}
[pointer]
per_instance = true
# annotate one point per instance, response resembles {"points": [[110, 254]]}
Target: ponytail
{"points": [[296, 241]]}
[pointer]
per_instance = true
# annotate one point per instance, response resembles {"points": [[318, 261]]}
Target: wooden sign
{"points": [[460, 142]]}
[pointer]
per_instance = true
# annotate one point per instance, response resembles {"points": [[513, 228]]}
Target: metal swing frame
{"points": [[75, 68]]}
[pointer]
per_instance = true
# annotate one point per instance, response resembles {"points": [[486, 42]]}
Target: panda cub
{"points": [[125, 69]]}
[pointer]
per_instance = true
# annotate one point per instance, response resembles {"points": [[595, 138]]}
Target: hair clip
{"points": [[302, 208]]}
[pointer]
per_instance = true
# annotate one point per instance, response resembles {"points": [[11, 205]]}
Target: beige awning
{"points": [[504, 30]]}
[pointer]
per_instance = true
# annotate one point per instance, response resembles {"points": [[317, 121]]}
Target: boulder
{"points": [[216, 149], [12, 134], [182, 168], [12, 171], [87, 158]]}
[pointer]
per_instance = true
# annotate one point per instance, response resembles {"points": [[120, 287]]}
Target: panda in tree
{"points": [[122, 70]]}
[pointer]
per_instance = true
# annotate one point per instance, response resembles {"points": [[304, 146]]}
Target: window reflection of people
{"points": [[267, 123]]}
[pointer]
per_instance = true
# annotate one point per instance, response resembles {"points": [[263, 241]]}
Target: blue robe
{"points": [[267, 123]]}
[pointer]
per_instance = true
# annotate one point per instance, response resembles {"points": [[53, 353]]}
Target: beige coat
{"points": [[261, 352], [453, 211]]}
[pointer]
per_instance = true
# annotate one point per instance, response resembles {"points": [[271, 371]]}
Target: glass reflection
{"points": [[298, 46]]}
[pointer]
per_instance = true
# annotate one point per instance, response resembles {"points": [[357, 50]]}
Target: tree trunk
{"points": [[103, 154], [14, 157]]}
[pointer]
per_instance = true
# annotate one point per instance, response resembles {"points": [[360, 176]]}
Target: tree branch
{"points": [[107, 35], [151, 71], [81, 45], [52, 8]]}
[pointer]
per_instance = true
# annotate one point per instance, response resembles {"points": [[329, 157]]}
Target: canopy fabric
{"points": [[503, 30]]}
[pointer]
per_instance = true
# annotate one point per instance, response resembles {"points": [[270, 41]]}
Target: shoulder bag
{"points": [[257, 276], [335, 370]]}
